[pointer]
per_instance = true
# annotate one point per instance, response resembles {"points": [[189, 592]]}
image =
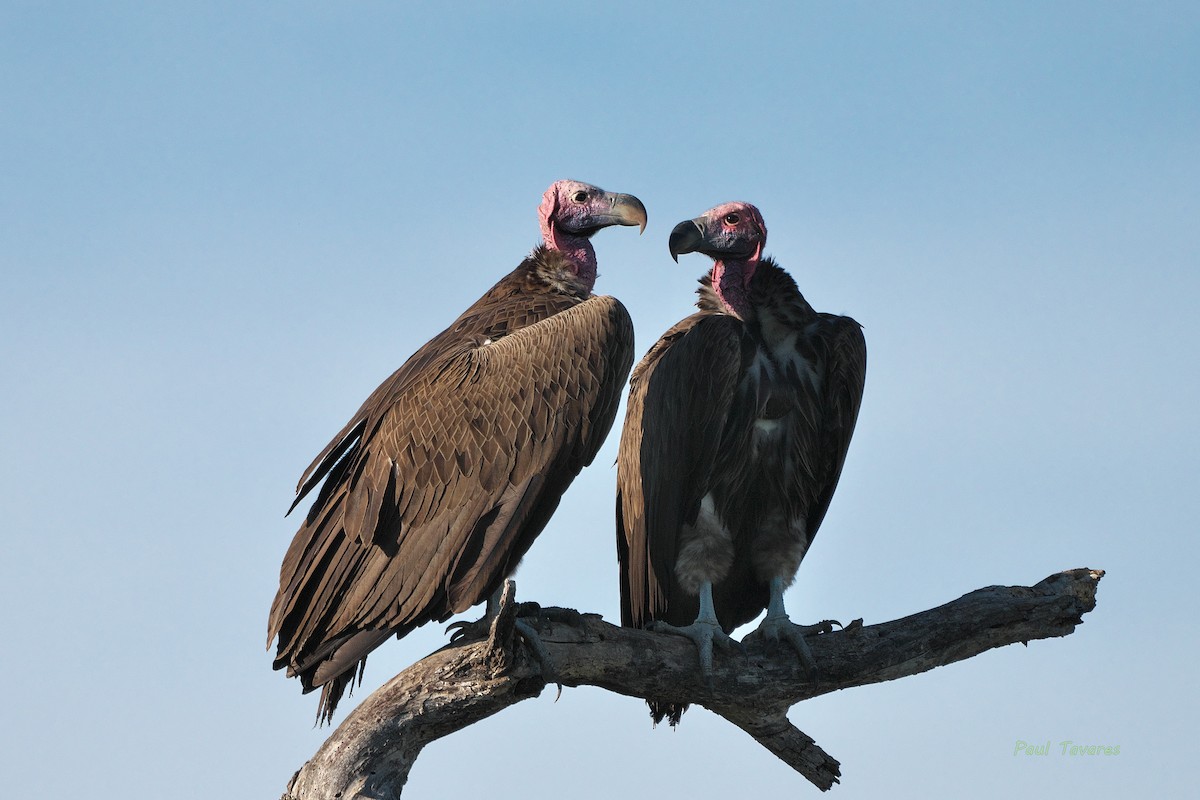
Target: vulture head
{"points": [[580, 209], [572, 211], [728, 232], [733, 236]]}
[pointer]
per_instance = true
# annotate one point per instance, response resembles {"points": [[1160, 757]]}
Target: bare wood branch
{"points": [[371, 753]]}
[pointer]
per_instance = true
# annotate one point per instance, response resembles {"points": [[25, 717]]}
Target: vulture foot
{"points": [[704, 635], [775, 629], [540, 653], [481, 629], [470, 631], [465, 631]]}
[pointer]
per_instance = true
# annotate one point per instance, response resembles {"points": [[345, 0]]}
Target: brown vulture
{"points": [[738, 422], [439, 483]]}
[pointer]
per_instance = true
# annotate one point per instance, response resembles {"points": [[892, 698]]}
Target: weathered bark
{"points": [[371, 753]]}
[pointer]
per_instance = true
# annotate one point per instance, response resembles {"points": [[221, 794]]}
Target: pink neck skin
{"points": [[731, 283], [578, 250]]}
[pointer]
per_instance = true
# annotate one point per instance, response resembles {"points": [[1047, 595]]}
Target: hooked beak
{"points": [[686, 237], [624, 209]]}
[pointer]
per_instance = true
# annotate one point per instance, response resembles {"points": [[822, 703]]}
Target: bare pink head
{"points": [[733, 236], [572, 211]]}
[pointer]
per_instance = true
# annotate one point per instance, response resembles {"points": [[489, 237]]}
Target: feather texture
{"points": [[439, 483], [747, 419]]}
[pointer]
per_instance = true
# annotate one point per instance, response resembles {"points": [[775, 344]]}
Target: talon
{"points": [[464, 630], [729, 644], [704, 635], [703, 632], [776, 628], [540, 653]]}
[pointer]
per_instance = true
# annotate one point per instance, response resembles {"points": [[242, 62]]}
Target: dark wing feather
{"points": [[843, 351], [457, 466], [679, 403]]}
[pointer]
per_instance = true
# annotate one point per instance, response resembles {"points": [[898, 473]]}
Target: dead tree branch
{"points": [[371, 753]]}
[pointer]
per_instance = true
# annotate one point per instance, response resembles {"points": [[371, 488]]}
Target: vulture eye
{"points": [[732, 219], [579, 196]]}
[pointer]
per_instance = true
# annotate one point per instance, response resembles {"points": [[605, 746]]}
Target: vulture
{"points": [[438, 485], [738, 422]]}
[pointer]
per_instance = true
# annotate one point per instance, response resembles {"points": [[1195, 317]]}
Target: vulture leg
{"points": [[480, 628], [777, 625], [467, 631], [705, 631]]}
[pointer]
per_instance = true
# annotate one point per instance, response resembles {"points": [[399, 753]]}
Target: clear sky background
{"points": [[223, 224]]}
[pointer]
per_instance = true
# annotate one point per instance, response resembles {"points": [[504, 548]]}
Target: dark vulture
{"points": [[738, 422], [440, 482]]}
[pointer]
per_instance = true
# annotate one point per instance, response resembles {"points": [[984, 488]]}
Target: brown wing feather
{"points": [[679, 400], [515, 302], [461, 456]]}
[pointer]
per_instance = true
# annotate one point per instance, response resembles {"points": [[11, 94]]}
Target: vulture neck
{"points": [[576, 250], [731, 284]]}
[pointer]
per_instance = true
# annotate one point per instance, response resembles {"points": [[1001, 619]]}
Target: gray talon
{"points": [[704, 635], [540, 653], [780, 628]]}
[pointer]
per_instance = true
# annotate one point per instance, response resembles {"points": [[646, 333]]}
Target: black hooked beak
{"points": [[686, 237]]}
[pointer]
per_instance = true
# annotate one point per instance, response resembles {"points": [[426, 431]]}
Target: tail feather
{"points": [[671, 712]]}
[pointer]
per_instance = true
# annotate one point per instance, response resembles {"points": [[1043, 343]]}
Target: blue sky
{"points": [[222, 224]]}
